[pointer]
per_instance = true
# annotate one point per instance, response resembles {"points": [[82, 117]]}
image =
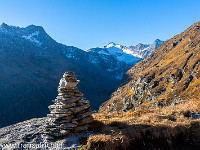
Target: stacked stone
{"points": [[70, 111]]}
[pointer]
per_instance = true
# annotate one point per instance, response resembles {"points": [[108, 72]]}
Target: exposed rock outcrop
{"points": [[29, 135], [31, 66], [70, 111], [168, 75]]}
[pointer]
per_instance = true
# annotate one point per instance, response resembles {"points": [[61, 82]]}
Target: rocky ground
{"points": [[172, 127], [168, 75], [29, 134]]}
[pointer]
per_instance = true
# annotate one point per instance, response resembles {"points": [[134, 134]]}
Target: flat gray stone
{"points": [[81, 108], [67, 126]]}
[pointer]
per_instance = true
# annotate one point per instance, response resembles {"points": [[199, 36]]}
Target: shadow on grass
{"points": [[145, 137]]}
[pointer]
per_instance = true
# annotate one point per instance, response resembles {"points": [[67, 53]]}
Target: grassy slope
{"points": [[173, 69], [171, 127]]}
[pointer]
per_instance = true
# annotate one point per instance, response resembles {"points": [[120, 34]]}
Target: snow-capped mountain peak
{"points": [[127, 55], [113, 58], [112, 44], [36, 35], [142, 50], [115, 51]]}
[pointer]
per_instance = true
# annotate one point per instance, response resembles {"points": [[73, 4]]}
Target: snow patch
{"points": [[32, 38], [118, 46], [121, 55], [111, 44]]}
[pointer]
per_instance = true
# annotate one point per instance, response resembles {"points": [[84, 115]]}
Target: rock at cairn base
{"points": [[70, 111]]}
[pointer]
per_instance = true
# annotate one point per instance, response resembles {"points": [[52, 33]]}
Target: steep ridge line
{"points": [[32, 62], [168, 75]]}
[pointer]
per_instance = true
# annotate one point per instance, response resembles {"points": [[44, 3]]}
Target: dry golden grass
{"points": [[153, 116], [123, 130], [175, 66]]}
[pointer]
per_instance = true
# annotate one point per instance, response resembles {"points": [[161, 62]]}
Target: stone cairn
{"points": [[70, 111]]}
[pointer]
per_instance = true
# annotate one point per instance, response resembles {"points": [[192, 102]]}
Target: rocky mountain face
{"points": [[169, 75], [32, 63], [113, 59], [143, 50], [139, 51], [117, 59]]}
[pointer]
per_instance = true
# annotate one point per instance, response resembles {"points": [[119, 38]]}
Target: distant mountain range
{"points": [[140, 50], [116, 58], [32, 63]]}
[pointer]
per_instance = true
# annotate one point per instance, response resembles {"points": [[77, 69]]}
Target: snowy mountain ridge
{"points": [[116, 51], [31, 65], [140, 50], [32, 62], [36, 35], [114, 58]]}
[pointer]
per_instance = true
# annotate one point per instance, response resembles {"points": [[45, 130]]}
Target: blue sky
{"points": [[95, 23]]}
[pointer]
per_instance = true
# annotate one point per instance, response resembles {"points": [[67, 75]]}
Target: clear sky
{"points": [[95, 23]]}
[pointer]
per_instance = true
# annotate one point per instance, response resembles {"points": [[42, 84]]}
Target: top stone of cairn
{"points": [[69, 81]]}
